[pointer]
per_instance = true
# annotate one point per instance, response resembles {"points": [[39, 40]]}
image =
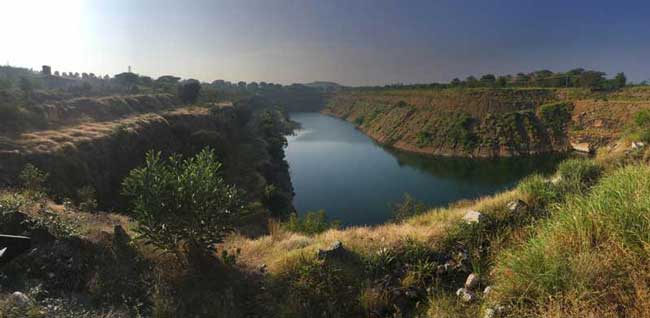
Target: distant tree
{"points": [[488, 80], [592, 79], [145, 81], [26, 86], [188, 91], [471, 81], [620, 80], [455, 82], [502, 81], [252, 86], [168, 79], [56, 73], [126, 79], [241, 85]]}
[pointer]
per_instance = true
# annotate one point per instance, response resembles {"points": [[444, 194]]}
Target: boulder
{"points": [[582, 147], [487, 291], [466, 295], [19, 299], [473, 217], [636, 145], [472, 281], [335, 250], [516, 206]]}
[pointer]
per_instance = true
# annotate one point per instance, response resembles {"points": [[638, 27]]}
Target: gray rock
{"points": [[262, 268], [466, 295], [471, 282], [335, 250], [473, 217], [516, 206], [19, 299], [487, 291], [637, 145]]}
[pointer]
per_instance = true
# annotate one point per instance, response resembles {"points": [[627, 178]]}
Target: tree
{"points": [[502, 81], [591, 79], [182, 203], [455, 82], [188, 91], [26, 86], [488, 79], [126, 79], [620, 80], [471, 81]]}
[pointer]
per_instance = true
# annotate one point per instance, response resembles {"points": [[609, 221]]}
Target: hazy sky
{"points": [[347, 41]]}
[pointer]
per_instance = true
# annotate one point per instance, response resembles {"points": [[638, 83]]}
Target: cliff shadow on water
{"points": [[489, 171]]}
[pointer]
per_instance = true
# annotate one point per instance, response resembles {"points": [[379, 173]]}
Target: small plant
{"points": [[32, 178], [408, 208], [230, 258], [577, 175], [310, 223], [52, 221], [87, 199], [541, 191]]}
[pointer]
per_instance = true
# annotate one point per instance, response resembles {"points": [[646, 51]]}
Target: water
{"points": [[337, 168]]}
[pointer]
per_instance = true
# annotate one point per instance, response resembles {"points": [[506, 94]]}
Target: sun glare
{"points": [[41, 32]]}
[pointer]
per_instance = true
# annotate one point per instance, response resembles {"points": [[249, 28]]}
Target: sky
{"points": [[352, 42]]}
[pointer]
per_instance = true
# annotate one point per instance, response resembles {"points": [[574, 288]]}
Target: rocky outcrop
{"points": [[459, 122]]}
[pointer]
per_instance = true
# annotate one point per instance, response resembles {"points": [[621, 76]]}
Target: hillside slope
{"points": [[484, 122]]}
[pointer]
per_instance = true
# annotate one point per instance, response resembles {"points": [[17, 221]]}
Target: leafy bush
{"points": [[541, 192], [32, 178], [642, 125], [578, 175], [310, 223], [409, 207], [556, 116], [182, 201], [87, 197]]}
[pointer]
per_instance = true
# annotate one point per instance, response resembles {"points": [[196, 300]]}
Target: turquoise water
{"points": [[335, 167]]}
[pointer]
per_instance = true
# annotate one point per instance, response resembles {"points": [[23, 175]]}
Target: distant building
{"points": [[46, 70]]}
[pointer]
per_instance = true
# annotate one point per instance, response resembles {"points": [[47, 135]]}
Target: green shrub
{"points": [[408, 208], [423, 138], [182, 201], [642, 125], [577, 175], [310, 223], [556, 116], [541, 192], [32, 178], [87, 198], [642, 118], [359, 121], [315, 288]]}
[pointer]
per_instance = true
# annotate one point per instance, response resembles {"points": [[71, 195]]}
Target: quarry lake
{"points": [[337, 168]]}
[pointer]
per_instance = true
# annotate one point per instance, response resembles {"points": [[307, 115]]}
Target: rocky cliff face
{"points": [[248, 140], [459, 122]]}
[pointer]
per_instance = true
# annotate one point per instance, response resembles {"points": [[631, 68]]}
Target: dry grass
{"points": [[48, 141], [281, 246]]}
